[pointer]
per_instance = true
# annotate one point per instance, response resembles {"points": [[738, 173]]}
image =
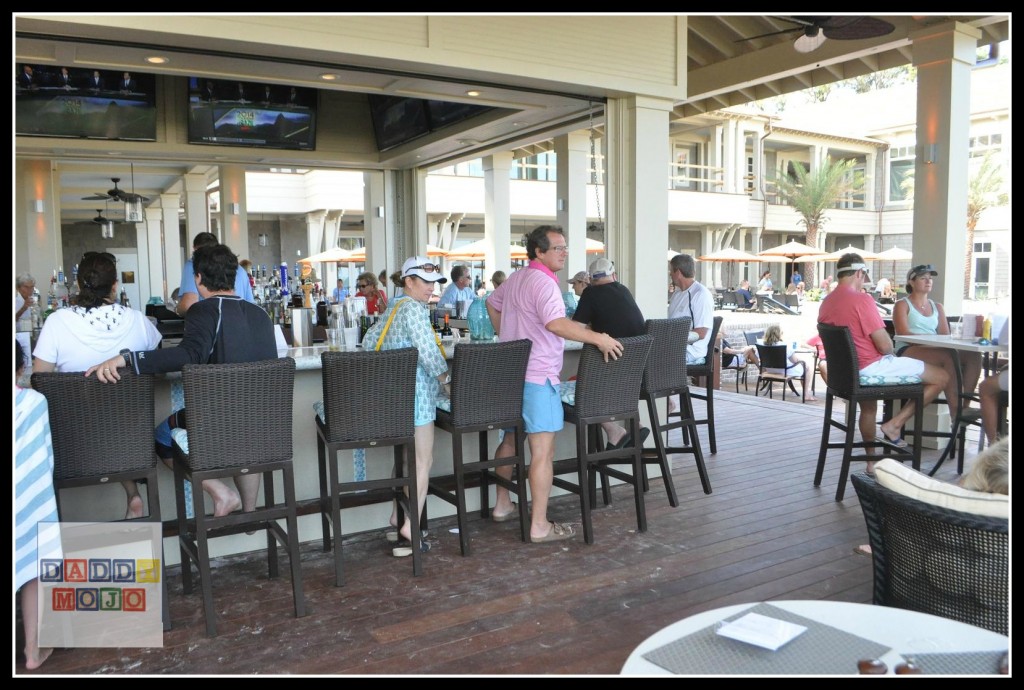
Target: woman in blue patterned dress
{"points": [[34, 502], [406, 323]]}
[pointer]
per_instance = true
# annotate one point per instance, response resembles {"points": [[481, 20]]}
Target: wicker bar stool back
{"points": [[706, 371], [103, 434], [606, 392], [844, 382], [351, 381], [666, 375], [486, 395], [224, 439]]}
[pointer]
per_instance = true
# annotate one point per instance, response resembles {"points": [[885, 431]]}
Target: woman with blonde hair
{"points": [[801, 366], [376, 300]]}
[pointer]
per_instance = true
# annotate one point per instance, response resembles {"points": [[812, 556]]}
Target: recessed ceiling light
{"points": [[329, 76], [157, 59], [472, 93], [517, 124]]}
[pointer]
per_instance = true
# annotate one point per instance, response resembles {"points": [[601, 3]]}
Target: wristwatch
{"points": [[127, 354]]}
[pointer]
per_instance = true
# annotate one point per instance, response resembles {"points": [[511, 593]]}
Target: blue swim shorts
{"points": [[542, 408]]}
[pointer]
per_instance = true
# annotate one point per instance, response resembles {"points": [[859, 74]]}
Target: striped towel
{"points": [[34, 499]]}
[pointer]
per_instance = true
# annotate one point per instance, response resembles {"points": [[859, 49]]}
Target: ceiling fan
{"points": [[814, 30], [115, 194], [106, 225]]}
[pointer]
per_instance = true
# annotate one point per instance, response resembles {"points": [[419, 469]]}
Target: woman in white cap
{"points": [[918, 314], [406, 323]]}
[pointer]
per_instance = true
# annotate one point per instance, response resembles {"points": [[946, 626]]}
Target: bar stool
{"points": [[478, 371], [103, 434], [665, 375], [844, 382], [707, 371], [350, 380], [605, 392], [225, 438]]}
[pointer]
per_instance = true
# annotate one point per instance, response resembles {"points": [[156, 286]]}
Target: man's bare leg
{"points": [[866, 424], [542, 455]]}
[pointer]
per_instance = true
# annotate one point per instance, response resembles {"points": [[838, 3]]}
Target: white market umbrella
{"points": [[894, 254], [850, 249]]}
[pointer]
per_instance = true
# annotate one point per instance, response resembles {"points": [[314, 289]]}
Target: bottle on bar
{"points": [[446, 332], [62, 289], [73, 286]]}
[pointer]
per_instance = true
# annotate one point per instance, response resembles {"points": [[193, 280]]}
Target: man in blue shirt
{"points": [[460, 289], [189, 295], [796, 278], [340, 293]]}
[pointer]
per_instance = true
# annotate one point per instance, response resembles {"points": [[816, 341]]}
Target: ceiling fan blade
{"points": [[771, 33], [853, 28], [96, 197]]}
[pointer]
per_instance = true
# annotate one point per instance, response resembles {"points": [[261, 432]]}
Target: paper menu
{"points": [[762, 631]]}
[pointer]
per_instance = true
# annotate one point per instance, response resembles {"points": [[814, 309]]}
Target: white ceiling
{"points": [[716, 52]]}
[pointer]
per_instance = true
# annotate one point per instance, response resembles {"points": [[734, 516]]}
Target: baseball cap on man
{"points": [[422, 267], [599, 268], [581, 277], [851, 263], [921, 270]]}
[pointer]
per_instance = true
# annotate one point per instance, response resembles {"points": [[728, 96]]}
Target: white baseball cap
{"points": [[599, 268], [424, 268]]}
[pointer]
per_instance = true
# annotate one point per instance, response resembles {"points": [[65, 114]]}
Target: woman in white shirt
{"points": [[96, 329], [801, 363]]}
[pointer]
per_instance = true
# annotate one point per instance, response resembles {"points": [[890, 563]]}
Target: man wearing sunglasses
{"points": [[461, 289], [848, 306]]}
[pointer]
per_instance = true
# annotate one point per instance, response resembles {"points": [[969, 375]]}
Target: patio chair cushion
{"points": [[894, 476], [888, 380]]}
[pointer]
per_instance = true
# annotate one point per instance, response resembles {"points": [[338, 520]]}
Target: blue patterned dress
{"points": [[411, 328]]}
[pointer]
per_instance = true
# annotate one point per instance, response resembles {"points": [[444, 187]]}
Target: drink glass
{"points": [[335, 339], [956, 330], [351, 337]]}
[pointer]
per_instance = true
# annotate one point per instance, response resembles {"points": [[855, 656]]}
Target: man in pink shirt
{"points": [[529, 305], [848, 306]]}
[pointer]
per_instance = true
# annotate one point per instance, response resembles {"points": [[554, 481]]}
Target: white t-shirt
{"points": [[75, 339], [697, 303], [882, 285]]}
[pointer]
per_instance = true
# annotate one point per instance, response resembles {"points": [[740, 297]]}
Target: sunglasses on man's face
{"points": [[361, 286]]}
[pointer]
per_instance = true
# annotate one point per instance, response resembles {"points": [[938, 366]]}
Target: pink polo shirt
{"points": [[844, 306], [529, 300]]}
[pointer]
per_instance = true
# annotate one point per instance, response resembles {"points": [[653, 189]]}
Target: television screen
{"points": [[397, 120], [444, 113], [236, 113], [75, 102]]}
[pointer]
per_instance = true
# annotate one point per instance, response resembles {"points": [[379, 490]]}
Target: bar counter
{"points": [[108, 502]]}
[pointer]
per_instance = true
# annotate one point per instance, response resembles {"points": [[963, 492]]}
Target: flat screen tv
{"points": [[237, 113], [397, 120], [84, 103]]}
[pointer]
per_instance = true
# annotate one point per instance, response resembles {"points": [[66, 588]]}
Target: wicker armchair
{"points": [[224, 439], [936, 560], [103, 433], [350, 380], [478, 370], [605, 392], [665, 375], [844, 382]]}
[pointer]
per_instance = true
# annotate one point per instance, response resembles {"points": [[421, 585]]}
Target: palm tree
{"points": [[811, 194], [984, 190]]}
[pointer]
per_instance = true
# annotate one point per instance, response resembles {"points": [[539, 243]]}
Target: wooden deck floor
{"points": [[565, 608]]}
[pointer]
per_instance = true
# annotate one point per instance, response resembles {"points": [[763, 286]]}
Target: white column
{"points": [[375, 227], [38, 240], [637, 230], [497, 212], [171, 239], [155, 273], [572, 152], [234, 217], [197, 213], [944, 56], [315, 231]]}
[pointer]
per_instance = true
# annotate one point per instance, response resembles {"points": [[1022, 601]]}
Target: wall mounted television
{"points": [[397, 120], [54, 101], [241, 113]]}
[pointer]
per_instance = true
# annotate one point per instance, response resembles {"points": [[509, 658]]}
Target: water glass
{"points": [[351, 337], [956, 329], [335, 339]]}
